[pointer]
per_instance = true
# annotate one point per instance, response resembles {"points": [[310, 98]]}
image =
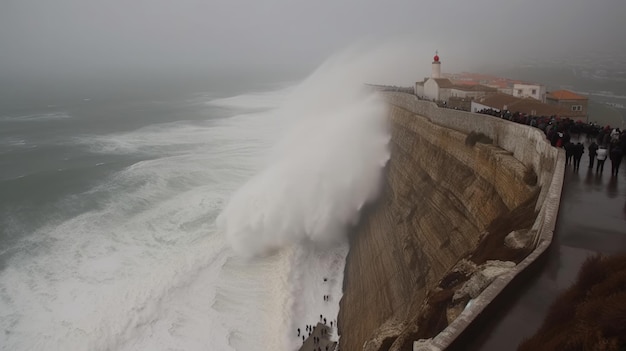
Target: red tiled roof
{"points": [[484, 79], [443, 82], [523, 105], [538, 108], [565, 95], [498, 84], [497, 100], [474, 87]]}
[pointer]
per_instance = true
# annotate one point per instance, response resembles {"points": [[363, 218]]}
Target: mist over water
{"points": [[324, 168], [212, 233]]}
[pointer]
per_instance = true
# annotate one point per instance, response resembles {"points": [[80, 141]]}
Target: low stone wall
{"points": [[528, 145]]}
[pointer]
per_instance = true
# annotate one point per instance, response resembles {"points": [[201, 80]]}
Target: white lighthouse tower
{"points": [[436, 67], [435, 87]]}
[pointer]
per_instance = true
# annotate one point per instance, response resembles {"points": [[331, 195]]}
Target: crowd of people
{"points": [[321, 329], [604, 141]]}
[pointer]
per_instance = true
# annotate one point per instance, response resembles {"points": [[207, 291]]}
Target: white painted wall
{"points": [[465, 94], [436, 70], [534, 91], [419, 90], [431, 90], [475, 107], [444, 94]]}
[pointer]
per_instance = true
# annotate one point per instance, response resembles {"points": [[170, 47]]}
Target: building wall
{"points": [[475, 107], [419, 90], [431, 90], [444, 94], [473, 94], [508, 91], [460, 103], [534, 91], [576, 108], [436, 70], [460, 93]]}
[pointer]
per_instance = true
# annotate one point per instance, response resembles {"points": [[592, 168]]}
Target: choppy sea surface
{"points": [[200, 221]]}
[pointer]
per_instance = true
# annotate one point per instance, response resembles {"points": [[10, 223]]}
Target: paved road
{"points": [[592, 219]]}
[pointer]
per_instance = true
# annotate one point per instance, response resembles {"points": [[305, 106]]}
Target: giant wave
{"points": [[221, 237]]}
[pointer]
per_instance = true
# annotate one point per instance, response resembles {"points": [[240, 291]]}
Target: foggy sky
{"points": [[51, 35]]}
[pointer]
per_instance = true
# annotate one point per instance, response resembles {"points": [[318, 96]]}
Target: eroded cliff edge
{"points": [[441, 192]]}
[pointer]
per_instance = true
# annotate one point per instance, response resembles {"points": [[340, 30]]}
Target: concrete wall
{"points": [[431, 90], [580, 112], [526, 90], [419, 89]]}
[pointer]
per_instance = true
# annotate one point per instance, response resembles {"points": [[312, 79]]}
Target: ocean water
{"points": [[191, 222]]}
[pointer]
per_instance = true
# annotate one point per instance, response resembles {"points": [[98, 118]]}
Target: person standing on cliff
{"points": [[616, 158], [593, 147], [569, 152], [577, 150]]}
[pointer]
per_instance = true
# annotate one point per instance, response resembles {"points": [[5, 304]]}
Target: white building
{"points": [[442, 89], [431, 88], [535, 91]]}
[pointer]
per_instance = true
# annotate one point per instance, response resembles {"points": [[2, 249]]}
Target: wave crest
{"points": [[323, 170]]}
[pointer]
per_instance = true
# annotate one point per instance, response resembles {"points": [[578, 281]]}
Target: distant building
{"points": [[442, 89], [528, 105], [503, 85], [574, 103], [471, 91], [535, 91], [460, 103]]}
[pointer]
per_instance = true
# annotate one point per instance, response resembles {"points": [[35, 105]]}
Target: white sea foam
{"points": [[325, 167], [36, 117], [141, 271], [148, 269], [10, 143], [254, 101]]}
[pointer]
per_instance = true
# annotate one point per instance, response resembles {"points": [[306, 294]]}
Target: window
{"points": [[519, 91], [534, 91], [577, 107]]}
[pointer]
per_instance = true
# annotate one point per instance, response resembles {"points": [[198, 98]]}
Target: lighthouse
{"points": [[435, 87], [436, 67]]}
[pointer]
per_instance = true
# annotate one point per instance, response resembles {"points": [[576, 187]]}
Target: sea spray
{"points": [[324, 169], [327, 164], [145, 268], [140, 269]]}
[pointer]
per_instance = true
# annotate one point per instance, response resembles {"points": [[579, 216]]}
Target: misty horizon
{"points": [[68, 47], [74, 36]]}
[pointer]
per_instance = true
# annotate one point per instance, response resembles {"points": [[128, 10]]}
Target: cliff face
{"points": [[440, 195]]}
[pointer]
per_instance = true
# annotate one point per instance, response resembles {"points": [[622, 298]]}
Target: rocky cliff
{"points": [[446, 189]]}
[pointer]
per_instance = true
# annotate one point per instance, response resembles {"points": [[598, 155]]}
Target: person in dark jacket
{"points": [[593, 147], [577, 151], [569, 152], [616, 158]]}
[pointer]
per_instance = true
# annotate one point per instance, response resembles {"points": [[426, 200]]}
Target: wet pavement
{"points": [[592, 219]]}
